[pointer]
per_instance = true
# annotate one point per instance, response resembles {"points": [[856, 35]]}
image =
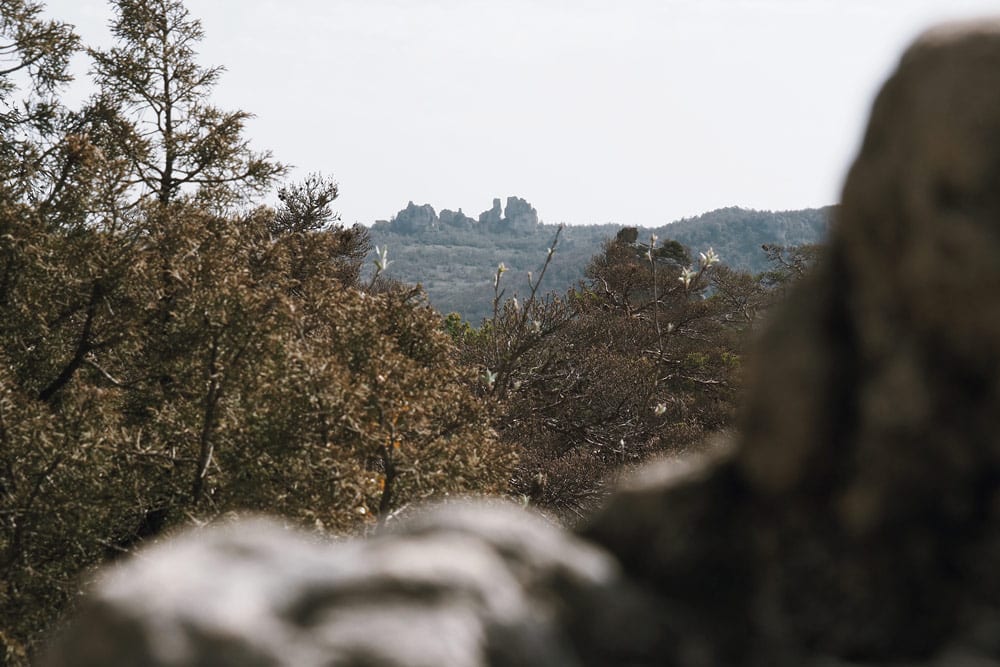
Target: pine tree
{"points": [[184, 144], [34, 59]]}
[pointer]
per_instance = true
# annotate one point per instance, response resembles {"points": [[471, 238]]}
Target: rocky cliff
{"points": [[517, 215]]}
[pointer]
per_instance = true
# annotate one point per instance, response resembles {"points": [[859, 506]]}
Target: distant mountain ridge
{"points": [[455, 256], [737, 234]]}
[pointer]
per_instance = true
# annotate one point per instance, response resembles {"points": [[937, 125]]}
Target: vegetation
{"points": [[171, 351], [641, 360], [454, 263]]}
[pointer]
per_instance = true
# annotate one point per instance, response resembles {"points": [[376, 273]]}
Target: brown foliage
{"points": [[638, 362], [186, 369], [164, 359]]}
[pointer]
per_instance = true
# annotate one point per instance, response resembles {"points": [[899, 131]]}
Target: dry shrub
{"points": [[638, 362], [191, 365]]}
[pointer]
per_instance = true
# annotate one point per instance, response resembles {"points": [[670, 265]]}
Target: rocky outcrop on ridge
{"points": [[457, 219], [415, 218], [492, 217], [519, 214]]}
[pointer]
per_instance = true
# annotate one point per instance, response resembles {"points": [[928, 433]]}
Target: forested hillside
{"points": [[737, 234], [454, 256], [173, 351]]}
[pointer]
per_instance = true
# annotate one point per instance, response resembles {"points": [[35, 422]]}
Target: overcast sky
{"points": [[627, 111]]}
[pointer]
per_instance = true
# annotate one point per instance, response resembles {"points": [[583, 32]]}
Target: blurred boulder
{"points": [[858, 516], [460, 586]]}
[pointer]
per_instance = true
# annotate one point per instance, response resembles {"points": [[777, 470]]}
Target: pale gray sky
{"points": [[628, 111]]}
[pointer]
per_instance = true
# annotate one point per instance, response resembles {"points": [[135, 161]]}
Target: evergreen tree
{"points": [[34, 57], [181, 142], [170, 352]]}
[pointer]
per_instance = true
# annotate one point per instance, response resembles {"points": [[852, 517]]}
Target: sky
{"points": [[636, 112]]}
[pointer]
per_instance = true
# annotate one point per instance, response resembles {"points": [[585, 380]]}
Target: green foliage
{"points": [[737, 234], [673, 249], [455, 264], [456, 327]]}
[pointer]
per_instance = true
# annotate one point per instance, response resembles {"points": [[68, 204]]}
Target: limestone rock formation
{"points": [[415, 218], [855, 519], [457, 219], [493, 216], [520, 215]]}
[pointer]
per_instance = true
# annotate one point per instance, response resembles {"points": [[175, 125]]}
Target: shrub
{"points": [[637, 362]]}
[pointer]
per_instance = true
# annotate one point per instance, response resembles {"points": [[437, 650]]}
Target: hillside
{"points": [[738, 233], [455, 256]]}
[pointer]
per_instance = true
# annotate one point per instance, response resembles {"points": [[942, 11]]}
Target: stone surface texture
{"points": [[457, 219], [460, 585], [415, 218], [493, 216], [519, 214]]}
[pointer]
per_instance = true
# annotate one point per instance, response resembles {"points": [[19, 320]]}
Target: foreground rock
{"points": [[460, 586], [854, 521], [860, 515]]}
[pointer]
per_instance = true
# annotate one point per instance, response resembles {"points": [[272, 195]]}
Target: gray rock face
{"points": [[519, 214], [493, 216], [855, 520], [415, 218], [460, 586], [457, 219]]}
